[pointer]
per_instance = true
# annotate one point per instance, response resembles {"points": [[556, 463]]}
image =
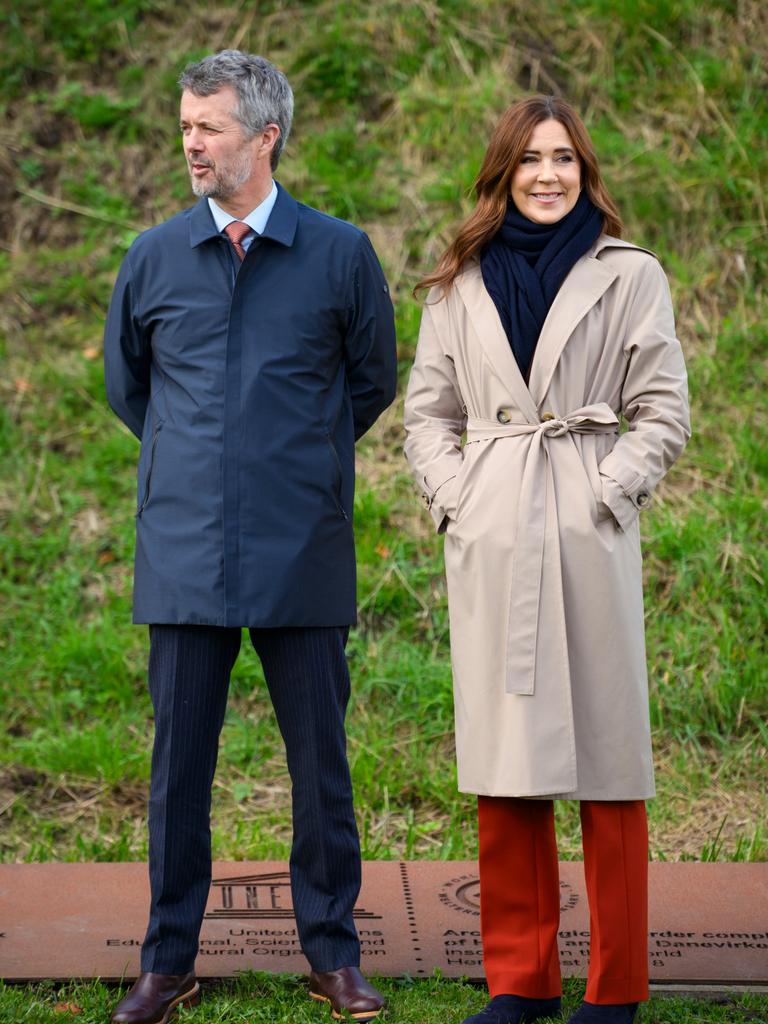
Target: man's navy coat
{"points": [[248, 386]]}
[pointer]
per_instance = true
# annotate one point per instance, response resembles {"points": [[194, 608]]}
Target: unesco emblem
{"points": [[259, 897], [462, 894]]}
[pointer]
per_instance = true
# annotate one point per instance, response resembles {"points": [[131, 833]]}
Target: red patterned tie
{"points": [[236, 232]]}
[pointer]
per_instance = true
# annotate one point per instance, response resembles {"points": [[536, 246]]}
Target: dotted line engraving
{"points": [[412, 926]]}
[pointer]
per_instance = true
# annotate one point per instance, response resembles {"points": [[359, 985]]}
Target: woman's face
{"points": [[547, 181]]}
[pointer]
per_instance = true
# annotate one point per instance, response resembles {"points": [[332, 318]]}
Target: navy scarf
{"points": [[525, 263]]}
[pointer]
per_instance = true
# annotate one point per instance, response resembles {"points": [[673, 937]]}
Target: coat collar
{"points": [[587, 281], [281, 226], [485, 319]]}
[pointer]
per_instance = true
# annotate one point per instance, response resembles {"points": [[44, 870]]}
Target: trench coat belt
{"points": [[537, 547]]}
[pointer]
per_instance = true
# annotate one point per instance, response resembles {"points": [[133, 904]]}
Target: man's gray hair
{"points": [[263, 93]]}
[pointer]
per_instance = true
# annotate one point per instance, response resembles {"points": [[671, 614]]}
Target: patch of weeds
{"points": [[95, 111]]}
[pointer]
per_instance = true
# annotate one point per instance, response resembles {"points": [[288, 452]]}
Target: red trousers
{"points": [[520, 897]]}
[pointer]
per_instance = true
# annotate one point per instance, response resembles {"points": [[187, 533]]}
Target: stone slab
{"points": [[708, 922]]}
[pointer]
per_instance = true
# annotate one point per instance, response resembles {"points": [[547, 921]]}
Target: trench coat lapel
{"points": [[585, 284], [489, 329]]}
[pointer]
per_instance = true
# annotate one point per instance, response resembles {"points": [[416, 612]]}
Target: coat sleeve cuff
{"points": [[440, 502], [626, 495]]}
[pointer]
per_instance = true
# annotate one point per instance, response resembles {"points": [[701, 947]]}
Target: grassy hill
{"points": [[395, 102]]}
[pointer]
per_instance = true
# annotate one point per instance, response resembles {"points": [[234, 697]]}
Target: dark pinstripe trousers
{"points": [[308, 680]]}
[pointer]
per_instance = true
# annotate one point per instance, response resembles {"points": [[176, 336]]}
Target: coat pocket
{"points": [[469, 474], [590, 457], [458, 489], [337, 477], [150, 469]]}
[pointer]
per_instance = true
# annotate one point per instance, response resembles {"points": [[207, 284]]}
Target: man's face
{"points": [[219, 157]]}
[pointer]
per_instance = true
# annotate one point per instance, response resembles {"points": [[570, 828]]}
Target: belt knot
{"points": [[554, 427]]}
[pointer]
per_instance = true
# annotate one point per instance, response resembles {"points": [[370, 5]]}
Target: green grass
{"points": [[256, 998], [394, 105]]}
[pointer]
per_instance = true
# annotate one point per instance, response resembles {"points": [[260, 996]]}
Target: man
{"points": [[249, 343]]}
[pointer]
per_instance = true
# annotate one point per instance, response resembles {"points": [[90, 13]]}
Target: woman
{"points": [[540, 330]]}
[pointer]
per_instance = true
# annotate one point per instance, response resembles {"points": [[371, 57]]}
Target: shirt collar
{"points": [[256, 219], [281, 227]]}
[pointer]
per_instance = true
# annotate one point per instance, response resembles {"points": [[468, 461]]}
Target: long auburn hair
{"points": [[493, 185]]}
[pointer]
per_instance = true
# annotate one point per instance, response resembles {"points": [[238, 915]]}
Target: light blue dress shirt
{"points": [[256, 219]]}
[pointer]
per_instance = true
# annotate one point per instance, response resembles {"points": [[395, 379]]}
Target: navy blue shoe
{"points": [[515, 1010], [604, 1013]]}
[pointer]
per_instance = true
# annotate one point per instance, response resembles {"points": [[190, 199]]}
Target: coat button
{"points": [[545, 416], [642, 499], [503, 416]]}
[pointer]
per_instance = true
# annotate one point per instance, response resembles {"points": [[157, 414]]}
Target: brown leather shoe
{"points": [[155, 997], [348, 992]]}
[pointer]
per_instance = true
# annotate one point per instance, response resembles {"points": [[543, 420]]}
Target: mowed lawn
{"points": [[394, 106]]}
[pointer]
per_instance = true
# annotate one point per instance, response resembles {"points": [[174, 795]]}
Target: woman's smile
{"points": [[545, 197]]}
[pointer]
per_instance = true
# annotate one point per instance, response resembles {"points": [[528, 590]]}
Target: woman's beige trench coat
{"points": [[540, 514]]}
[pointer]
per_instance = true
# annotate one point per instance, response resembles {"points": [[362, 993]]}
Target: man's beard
{"points": [[224, 182]]}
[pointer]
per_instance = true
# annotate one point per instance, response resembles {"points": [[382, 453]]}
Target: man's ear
{"points": [[267, 139]]}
